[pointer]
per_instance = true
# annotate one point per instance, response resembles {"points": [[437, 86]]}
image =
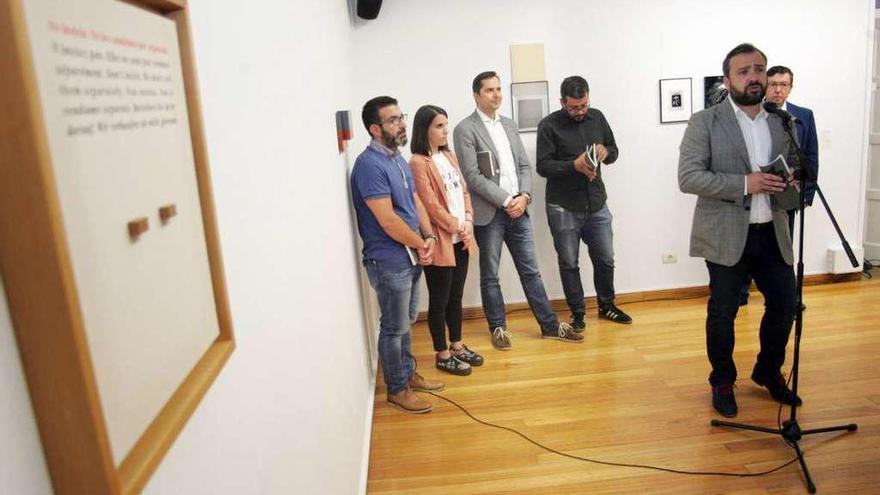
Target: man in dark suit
{"points": [[738, 227], [499, 176], [780, 80]]}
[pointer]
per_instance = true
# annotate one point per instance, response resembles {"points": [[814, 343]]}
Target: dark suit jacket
{"points": [[805, 128]]}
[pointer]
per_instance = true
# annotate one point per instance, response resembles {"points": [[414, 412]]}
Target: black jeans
{"points": [[445, 289], [775, 279]]}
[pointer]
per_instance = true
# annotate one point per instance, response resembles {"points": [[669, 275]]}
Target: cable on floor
{"points": [[610, 463]]}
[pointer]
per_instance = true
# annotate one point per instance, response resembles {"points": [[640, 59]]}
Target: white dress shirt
{"points": [[756, 133], [508, 179]]}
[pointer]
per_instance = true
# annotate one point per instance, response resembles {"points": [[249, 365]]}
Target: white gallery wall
{"points": [[291, 411]]}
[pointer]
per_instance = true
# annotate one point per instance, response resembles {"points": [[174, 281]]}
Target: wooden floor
{"points": [[638, 394]]}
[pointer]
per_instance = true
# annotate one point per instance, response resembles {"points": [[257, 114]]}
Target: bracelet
{"points": [[432, 236]]}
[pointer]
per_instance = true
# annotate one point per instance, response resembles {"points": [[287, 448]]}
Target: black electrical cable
{"points": [[609, 463]]}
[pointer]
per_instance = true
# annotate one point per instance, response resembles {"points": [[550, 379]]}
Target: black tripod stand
{"points": [[790, 430]]}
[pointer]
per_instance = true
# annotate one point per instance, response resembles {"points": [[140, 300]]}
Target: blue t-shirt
{"points": [[377, 175]]}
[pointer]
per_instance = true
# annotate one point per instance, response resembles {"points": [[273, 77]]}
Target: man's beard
{"points": [[744, 98], [391, 141]]}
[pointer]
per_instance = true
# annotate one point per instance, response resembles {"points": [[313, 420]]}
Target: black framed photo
{"points": [[531, 103], [714, 91], [676, 101]]}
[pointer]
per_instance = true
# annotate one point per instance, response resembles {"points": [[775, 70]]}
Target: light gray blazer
{"points": [[471, 136], [713, 163]]}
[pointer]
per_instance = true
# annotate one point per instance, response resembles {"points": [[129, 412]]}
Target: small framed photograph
{"points": [[676, 103], [714, 91], [530, 104]]}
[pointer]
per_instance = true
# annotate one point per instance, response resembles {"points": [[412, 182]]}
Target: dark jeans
{"points": [[569, 228], [775, 279], [517, 234], [397, 292], [445, 288]]}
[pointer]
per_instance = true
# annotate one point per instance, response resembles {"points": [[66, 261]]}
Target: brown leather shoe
{"points": [[418, 382], [407, 401]]}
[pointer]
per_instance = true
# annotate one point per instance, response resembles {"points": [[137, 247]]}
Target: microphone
{"points": [[771, 107]]}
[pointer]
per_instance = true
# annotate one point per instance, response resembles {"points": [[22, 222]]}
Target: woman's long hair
{"points": [[421, 122]]}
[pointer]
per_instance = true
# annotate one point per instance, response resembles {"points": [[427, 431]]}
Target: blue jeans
{"points": [[569, 228], [517, 234], [397, 292]]}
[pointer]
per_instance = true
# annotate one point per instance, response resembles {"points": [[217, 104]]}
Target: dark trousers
{"points": [[445, 289], [775, 279], [744, 293]]}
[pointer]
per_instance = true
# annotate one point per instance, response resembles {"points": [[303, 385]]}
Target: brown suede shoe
{"points": [[565, 333], [500, 339], [418, 382], [407, 401]]}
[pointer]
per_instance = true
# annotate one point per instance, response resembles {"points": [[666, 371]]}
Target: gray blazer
{"points": [[713, 163], [471, 136]]}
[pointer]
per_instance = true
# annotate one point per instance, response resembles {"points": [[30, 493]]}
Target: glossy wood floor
{"points": [[638, 394]]}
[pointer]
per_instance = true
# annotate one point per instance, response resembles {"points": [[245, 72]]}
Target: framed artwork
{"points": [[714, 91], [111, 255], [530, 102], [676, 102]]}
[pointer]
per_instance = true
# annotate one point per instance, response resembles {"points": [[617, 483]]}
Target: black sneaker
{"points": [[723, 400], [614, 314], [778, 389], [453, 366], [577, 322], [564, 333], [468, 356]]}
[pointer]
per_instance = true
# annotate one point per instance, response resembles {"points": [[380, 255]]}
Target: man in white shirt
{"points": [[737, 226], [498, 174]]}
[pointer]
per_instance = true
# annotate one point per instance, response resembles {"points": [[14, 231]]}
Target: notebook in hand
{"points": [[413, 255], [789, 198], [592, 157], [486, 163]]}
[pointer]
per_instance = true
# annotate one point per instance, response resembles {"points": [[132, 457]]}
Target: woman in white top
{"points": [[442, 190]]}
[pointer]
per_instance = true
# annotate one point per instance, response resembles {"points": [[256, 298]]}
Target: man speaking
{"points": [[737, 226]]}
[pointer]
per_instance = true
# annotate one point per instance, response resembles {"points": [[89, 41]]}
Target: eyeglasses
{"points": [[395, 121], [781, 85], [576, 109]]}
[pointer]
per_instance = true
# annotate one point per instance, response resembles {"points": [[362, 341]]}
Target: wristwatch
{"points": [[432, 236]]}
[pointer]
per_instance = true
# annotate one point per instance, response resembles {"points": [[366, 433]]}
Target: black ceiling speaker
{"points": [[369, 9]]}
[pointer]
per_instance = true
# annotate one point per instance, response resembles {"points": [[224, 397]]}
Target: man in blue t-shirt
{"points": [[397, 238]]}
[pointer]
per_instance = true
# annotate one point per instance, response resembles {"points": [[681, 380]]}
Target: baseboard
{"points": [[476, 312]]}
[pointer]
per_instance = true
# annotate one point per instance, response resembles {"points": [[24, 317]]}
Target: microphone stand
{"points": [[790, 430]]}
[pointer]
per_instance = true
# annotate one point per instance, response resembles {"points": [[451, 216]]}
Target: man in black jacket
{"points": [[572, 145]]}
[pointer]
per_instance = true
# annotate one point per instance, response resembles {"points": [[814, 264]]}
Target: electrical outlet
{"points": [[669, 258]]}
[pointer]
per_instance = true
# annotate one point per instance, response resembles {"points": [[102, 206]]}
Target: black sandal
{"points": [[453, 366]]}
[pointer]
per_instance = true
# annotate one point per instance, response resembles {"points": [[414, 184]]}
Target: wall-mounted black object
{"points": [[369, 9]]}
